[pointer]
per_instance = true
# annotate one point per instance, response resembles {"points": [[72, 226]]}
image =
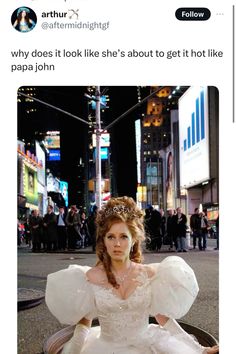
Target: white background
{"points": [[143, 25]]}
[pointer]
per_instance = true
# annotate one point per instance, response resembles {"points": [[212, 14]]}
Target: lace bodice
{"points": [[123, 319]]}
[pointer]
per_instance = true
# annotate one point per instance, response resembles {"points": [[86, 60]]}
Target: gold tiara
{"points": [[120, 210]]}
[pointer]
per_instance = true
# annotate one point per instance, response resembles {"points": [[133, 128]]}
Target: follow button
{"points": [[192, 14]]}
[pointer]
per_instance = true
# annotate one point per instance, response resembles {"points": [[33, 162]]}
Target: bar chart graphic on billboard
{"points": [[196, 129], [194, 136]]}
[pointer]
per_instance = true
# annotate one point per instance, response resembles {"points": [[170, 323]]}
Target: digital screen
{"points": [[105, 140], [64, 191], [104, 153], [194, 137], [41, 157], [30, 185], [54, 155], [52, 140]]}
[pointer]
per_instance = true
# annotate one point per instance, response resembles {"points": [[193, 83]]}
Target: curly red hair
{"points": [[122, 209]]}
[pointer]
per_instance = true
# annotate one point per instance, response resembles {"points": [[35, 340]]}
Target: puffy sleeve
{"points": [[69, 295], [174, 288]]}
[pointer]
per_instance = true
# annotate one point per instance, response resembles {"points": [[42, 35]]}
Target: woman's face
{"points": [[118, 241], [23, 14]]}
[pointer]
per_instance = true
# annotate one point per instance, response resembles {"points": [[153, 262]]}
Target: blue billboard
{"points": [[54, 155], [104, 153]]}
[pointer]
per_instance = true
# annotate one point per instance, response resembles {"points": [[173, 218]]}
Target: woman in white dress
{"points": [[122, 293]]}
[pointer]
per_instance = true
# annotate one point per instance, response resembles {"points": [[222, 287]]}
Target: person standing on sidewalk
{"points": [[195, 225], [50, 227], [179, 224], [170, 230], [36, 223], [73, 223], [204, 232], [84, 230], [61, 229]]}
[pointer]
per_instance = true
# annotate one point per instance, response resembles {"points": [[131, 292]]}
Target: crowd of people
{"points": [[173, 230], [73, 229], [60, 232]]}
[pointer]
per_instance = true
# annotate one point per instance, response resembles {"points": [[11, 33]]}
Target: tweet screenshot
{"points": [[118, 141]]}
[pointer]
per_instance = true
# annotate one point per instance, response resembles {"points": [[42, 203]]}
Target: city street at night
{"points": [[154, 150]]}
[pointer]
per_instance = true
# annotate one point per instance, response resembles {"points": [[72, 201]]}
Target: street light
{"points": [[98, 148], [98, 191]]}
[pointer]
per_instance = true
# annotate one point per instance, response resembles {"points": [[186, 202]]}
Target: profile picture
{"points": [[24, 19]]}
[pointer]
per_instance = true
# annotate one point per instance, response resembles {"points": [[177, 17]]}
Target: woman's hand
{"points": [[212, 350], [161, 319]]}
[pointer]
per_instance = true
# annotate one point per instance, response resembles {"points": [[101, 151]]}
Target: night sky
{"points": [[74, 134]]}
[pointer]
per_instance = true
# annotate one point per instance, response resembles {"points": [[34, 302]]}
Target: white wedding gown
{"points": [[124, 324]]}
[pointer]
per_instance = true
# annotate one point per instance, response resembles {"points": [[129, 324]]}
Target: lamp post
{"points": [[98, 150]]}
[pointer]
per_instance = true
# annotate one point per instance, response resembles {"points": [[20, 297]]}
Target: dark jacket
{"points": [[155, 224], [73, 221], [179, 224], [36, 228], [195, 222], [170, 225], [51, 227]]}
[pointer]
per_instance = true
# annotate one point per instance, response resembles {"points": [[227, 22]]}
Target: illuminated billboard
{"points": [[105, 140], [52, 140], [194, 137], [41, 157], [30, 185], [103, 153], [53, 183], [64, 191], [54, 155]]}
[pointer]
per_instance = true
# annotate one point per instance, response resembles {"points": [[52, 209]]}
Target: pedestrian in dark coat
{"points": [[36, 228], [73, 227], [84, 230], [204, 232], [50, 229], [180, 226], [170, 230], [155, 230], [195, 224]]}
